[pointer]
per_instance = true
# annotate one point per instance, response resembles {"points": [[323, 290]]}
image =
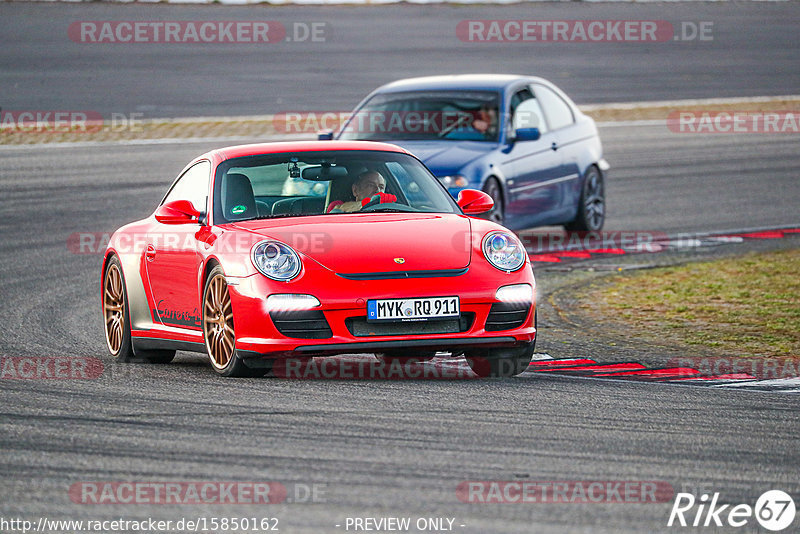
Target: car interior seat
{"points": [[340, 189], [238, 201]]}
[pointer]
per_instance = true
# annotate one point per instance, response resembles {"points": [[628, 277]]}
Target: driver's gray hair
{"points": [[362, 176]]}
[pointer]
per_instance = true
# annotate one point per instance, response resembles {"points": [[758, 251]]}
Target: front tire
{"points": [[219, 330], [118, 323], [592, 204], [501, 362], [497, 213]]}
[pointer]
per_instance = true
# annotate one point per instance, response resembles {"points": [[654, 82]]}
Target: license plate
{"points": [[419, 309]]}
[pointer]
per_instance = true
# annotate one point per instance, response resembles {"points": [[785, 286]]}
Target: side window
{"points": [[518, 98], [192, 186], [526, 112], [557, 111], [529, 115], [409, 187]]}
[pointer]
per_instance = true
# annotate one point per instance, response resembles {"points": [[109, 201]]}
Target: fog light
{"points": [[289, 302], [516, 294]]}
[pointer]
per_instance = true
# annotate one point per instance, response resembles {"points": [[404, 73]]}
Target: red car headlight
{"points": [[504, 251], [276, 260]]}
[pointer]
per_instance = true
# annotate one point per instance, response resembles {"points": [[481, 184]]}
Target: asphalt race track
{"points": [[753, 51], [380, 448], [376, 448]]}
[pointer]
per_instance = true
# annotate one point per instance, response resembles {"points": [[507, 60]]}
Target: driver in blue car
{"points": [[368, 184], [485, 121]]}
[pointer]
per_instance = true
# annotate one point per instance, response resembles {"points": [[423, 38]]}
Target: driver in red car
{"points": [[368, 184]]}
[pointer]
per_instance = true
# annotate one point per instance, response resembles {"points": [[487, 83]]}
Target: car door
{"points": [[532, 168], [565, 140], [172, 256]]}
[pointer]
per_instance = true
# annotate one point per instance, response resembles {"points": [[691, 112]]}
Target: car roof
{"points": [[456, 81], [238, 151]]}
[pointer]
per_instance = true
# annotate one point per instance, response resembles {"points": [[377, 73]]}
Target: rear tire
{"points": [[118, 322], [592, 204]]}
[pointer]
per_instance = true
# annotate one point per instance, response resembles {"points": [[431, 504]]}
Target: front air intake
{"points": [[505, 315], [302, 324]]}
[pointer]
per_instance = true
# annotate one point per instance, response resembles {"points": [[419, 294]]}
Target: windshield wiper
{"points": [[388, 210], [277, 216], [452, 126]]}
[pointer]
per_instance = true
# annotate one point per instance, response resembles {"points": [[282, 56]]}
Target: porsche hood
{"points": [[356, 243]]}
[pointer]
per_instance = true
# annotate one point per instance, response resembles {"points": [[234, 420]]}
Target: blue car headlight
{"points": [[504, 251], [454, 180], [276, 260]]}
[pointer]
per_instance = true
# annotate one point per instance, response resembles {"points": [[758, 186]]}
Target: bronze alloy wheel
{"points": [[218, 322], [114, 309], [117, 320]]}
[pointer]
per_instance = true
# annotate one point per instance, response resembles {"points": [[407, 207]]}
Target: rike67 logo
{"points": [[774, 510]]}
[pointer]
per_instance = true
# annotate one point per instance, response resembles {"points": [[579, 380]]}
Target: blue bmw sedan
{"points": [[518, 138]]}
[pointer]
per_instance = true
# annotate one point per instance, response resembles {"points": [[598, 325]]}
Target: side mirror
{"points": [[325, 135], [177, 212], [527, 134], [474, 202]]}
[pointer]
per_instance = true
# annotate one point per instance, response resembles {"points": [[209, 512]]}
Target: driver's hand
{"points": [[379, 198]]}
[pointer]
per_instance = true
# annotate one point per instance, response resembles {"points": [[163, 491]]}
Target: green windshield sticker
{"points": [[238, 210]]}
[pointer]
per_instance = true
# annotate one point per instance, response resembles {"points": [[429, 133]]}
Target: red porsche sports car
{"points": [[306, 249]]}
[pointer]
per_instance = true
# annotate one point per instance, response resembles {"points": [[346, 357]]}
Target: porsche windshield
{"points": [[316, 183], [427, 115]]}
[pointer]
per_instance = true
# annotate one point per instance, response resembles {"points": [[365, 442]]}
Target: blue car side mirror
{"points": [[527, 134]]}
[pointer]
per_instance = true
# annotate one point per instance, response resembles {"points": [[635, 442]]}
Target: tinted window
{"points": [[450, 115], [298, 184], [192, 186], [518, 98], [557, 111], [528, 114]]}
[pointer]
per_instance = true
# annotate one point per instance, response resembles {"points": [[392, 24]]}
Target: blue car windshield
{"points": [[427, 115]]}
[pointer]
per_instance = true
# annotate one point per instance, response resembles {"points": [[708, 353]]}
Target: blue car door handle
{"points": [[554, 146]]}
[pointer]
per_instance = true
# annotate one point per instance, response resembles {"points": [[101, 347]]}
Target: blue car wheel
{"points": [[497, 213], [592, 205]]}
